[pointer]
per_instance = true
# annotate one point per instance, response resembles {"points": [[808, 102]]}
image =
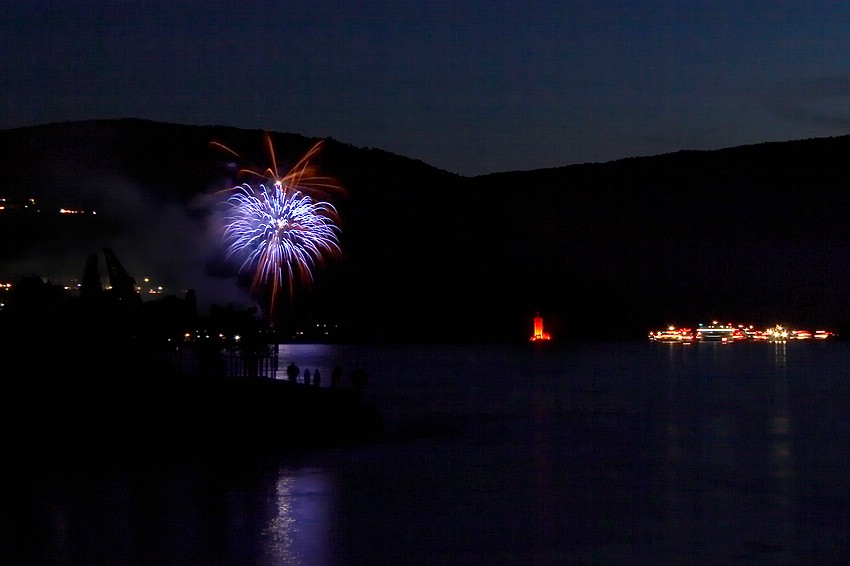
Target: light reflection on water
{"points": [[298, 533]]}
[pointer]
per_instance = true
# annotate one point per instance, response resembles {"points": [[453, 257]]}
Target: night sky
{"points": [[471, 88]]}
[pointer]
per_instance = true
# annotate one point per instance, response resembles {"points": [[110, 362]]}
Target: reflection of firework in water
{"points": [[280, 231]]}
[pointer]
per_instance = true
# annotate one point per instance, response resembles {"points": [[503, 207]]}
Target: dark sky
{"points": [[470, 87]]}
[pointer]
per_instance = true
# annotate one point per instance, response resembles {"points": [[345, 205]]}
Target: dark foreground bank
{"points": [[155, 421]]}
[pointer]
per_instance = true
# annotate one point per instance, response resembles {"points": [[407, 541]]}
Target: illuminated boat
{"points": [[800, 335], [777, 334], [716, 332], [728, 333], [673, 335]]}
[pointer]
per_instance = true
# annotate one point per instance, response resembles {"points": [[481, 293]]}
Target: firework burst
{"points": [[278, 230]]}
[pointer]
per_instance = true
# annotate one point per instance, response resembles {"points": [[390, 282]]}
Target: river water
{"points": [[577, 453]]}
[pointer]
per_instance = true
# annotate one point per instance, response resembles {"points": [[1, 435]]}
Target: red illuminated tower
{"points": [[538, 329]]}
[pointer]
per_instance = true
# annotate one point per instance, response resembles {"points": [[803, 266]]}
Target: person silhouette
{"points": [[307, 376], [292, 371], [317, 377]]}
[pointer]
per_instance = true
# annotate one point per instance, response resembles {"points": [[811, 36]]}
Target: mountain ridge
{"points": [[749, 233]]}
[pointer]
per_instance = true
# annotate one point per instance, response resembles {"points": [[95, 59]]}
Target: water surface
{"points": [[582, 453]]}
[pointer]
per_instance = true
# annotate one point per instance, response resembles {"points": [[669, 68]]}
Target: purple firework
{"points": [[280, 233]]}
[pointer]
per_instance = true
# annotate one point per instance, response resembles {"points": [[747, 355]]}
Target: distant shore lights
{"points": [[539, 334]]}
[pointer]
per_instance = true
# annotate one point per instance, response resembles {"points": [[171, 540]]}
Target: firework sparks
{"points": [[279, 230]]}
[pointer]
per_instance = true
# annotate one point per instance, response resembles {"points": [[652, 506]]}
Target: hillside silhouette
{"points": [[605, 250]]}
